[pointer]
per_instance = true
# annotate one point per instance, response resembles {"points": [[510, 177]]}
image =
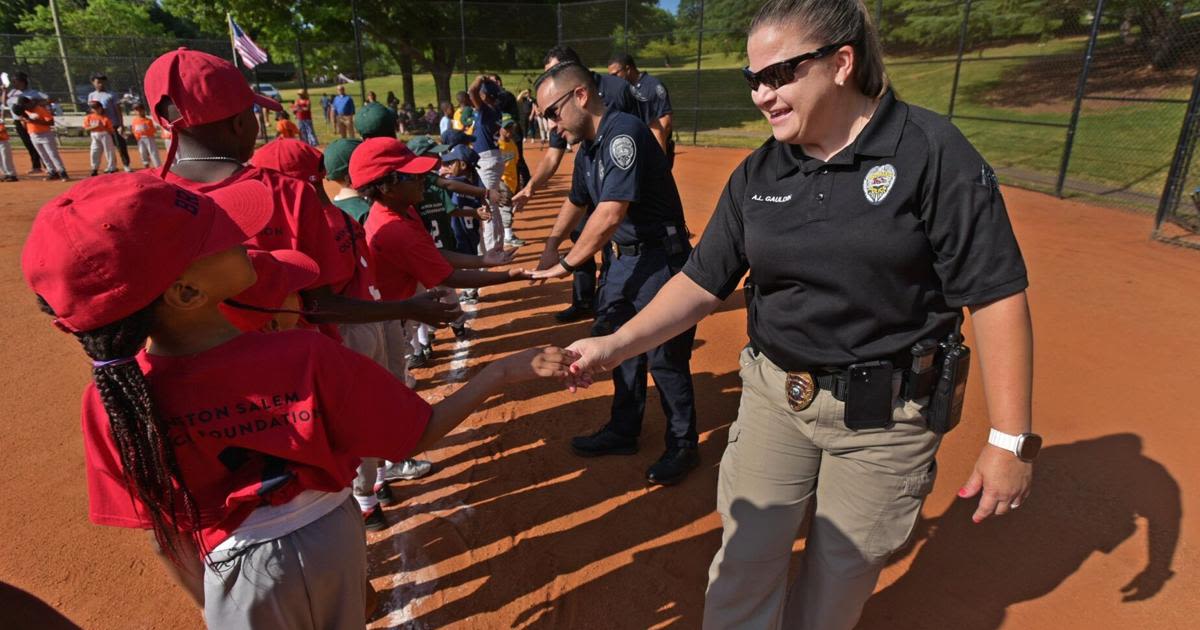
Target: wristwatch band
{"points": [[1005, 441], [562, 260]]}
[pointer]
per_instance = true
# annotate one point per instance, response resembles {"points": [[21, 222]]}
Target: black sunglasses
{"points": [[783, 72], [551, 112]]}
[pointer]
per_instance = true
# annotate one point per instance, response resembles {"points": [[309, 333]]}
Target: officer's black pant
{"points": [[33, 154], [632, 282], [122, 149], [585, 289]]}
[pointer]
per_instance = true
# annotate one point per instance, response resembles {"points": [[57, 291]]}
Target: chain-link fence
{"points": [[1075, 97]]}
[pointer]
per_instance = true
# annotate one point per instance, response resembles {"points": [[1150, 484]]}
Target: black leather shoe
{"points": [[603, 442], [673, 466], [574, 313]]}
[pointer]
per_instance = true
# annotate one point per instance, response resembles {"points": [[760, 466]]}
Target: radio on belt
{"points": [[945, 405], [921, 374]]}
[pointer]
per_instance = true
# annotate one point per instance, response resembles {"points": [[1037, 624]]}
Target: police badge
{"points": [[878, 183], [623, 152]]}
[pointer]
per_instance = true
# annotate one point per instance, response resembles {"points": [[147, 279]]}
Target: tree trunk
{"points": [[406, 79], [441, 66], [1161, 30]]}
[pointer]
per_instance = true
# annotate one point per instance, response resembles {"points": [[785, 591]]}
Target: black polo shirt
{"points": [[615, 92], [625, 163], [858, 258]]}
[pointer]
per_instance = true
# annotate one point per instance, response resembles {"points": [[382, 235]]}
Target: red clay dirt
{"points": [[513, 531]]}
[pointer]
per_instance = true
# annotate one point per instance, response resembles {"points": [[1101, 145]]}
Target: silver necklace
{"points": [[210, 158]]}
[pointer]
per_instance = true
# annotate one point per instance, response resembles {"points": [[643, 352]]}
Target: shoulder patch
{"points": [[623, 151], [660, 90], [987, 177]]}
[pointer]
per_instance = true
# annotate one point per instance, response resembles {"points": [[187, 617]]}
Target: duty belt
{"points": [[802, 386]]}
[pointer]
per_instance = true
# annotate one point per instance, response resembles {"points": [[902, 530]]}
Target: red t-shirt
{"points": [[256, 421], [404, 253], [362, 284], [300, 221], [302, 108]]}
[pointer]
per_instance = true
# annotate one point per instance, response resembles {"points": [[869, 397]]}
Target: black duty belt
{"points": [[802, 385], [637, 249]]}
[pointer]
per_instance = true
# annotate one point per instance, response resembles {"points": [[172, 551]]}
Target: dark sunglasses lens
{"points": [[551, 113], [777, 75], [751, 78]]}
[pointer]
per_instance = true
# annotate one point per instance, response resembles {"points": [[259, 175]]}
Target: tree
{"points": [[100, 29]]}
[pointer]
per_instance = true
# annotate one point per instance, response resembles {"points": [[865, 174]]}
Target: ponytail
{"points": [[138, 432]]}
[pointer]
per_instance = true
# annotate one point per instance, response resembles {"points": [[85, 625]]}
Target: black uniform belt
{"points": [[636, 249], [835, 380]]}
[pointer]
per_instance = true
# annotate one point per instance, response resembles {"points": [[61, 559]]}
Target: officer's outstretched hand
{"points": [[521, 198], [595, 355], [548, 260], [1003, 479]]}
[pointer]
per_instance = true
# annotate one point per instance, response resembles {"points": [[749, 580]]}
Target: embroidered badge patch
{"points": [[623, 152], [878, 183]]}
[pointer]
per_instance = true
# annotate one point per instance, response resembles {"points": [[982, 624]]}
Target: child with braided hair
{"points": [[235, 449]]}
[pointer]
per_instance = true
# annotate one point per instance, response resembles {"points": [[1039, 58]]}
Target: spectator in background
{"points": [[326, 107], [112, 110], [371, 98], [464, 116], [20, 87], [343, 113], [302, 108], [447, 121], [392, 101], [284, 127]]}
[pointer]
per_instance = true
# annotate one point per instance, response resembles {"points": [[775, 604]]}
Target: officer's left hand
{"points": [[557, 271], [1004, 479]]}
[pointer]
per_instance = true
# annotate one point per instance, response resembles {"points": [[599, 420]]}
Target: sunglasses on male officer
{"points": [[783, 72], [552, 111]]}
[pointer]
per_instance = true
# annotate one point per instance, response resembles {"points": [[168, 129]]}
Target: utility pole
{"points": [[62, 51], [362, 76]]}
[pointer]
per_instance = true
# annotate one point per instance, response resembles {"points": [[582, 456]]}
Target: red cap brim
{"points": [[300, 270], [243, 210], [267, 102], [421, 164]]}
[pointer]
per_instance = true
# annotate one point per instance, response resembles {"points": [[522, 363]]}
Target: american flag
{"points": [[250, 53]]}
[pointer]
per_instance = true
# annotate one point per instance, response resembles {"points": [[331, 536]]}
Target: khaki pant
{"points": [[344, 126], [868, 486]]}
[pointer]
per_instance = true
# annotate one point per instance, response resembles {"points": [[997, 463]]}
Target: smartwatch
{"points": [[1025, 445]]}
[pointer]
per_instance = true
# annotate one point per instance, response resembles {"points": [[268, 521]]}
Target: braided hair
{"points": [[139, 433]]}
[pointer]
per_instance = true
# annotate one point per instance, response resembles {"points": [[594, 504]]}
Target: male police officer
{"points": [[616, 94], [654, 103], [621, 170]]}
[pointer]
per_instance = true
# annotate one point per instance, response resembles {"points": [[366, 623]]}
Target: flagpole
{"points": [[232, 40]]}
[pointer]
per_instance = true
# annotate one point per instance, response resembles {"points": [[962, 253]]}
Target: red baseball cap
{"points": [[203, 87], [281, 273], [111, 245], [377, 157], [291, 157]]}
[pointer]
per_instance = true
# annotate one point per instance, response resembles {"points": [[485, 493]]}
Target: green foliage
{"points": [[99, 29]]}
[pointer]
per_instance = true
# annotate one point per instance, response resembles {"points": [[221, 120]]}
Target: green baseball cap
{"points": [[426, 145], [337, 158], [507, 120], [374, 120]]}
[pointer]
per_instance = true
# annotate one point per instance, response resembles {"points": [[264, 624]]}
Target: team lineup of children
{"points": [[255, 451]]}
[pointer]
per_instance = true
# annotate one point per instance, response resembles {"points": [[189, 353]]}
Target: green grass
{"points": [[1121, 150]]}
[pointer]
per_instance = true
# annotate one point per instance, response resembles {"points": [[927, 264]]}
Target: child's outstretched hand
{"points": [[547, 362]]}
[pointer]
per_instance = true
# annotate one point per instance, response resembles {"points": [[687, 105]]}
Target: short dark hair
{"points": [[567, 72], [99, 75], [623, 59], [21, 76], [562, 53]]}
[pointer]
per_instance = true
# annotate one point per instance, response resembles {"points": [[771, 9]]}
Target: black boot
{"points": [[574, 313], [673, 466], [603, 442]]}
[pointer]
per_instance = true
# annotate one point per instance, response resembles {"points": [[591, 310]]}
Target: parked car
{"points": [[268, 90]]}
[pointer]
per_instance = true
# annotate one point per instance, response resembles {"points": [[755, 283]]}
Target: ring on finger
{"points": [[1014, 505]]}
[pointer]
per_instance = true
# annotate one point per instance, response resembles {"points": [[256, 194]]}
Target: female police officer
{"points": [[866, 225]]}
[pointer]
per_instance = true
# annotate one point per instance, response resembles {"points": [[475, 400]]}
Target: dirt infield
{"points": [[513, 531]]}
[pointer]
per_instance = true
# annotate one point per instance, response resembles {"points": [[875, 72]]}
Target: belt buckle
{"points": [[800, 390]]}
